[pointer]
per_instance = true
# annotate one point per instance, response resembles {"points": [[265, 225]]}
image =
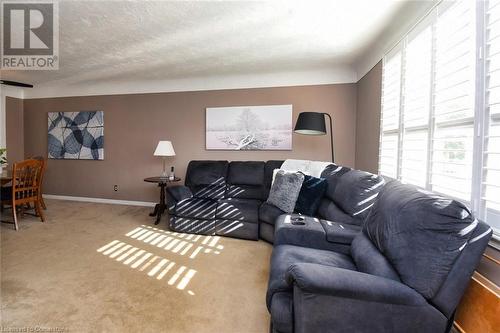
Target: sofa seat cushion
{"points": [[192, 225], [237, 229], [246, 210], [282, 312], [198, 208], [269, 213], [285, 255]]}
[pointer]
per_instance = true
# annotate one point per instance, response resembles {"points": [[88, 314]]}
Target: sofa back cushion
{"points": [[246, 180], [332, 174], [246, 173], [207, 179], [420, 233], [356, 192], [269, 170]]}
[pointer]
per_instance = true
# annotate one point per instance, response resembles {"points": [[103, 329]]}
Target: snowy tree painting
{"points": [[249, 128]]}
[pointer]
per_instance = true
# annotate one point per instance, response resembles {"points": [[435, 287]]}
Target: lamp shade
{"points": [[311, 123], [164, 148]]}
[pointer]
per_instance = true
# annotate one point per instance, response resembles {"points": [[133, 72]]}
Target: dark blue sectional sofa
{"points": [[379, 256], [229, 199]]}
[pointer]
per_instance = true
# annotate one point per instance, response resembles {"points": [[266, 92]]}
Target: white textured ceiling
{"points": [[125, 42]]}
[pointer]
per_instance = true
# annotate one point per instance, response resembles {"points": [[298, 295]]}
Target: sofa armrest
{"points": [[327, 280], [179, 193]]}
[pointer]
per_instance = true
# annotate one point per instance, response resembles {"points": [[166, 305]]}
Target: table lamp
{"points": [[313, 123], [164, 149]]}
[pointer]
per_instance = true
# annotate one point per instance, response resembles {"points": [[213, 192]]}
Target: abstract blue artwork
{"points": [[76, 135]]}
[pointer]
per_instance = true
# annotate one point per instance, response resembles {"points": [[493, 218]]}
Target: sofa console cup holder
{"points": [[298, 220], [298, 223]]}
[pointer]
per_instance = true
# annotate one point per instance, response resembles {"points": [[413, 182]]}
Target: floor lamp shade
{"points": [[311, 123]]}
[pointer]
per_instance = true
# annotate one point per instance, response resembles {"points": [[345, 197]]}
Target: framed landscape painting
{"points": [[76, 135], [266, 127]]}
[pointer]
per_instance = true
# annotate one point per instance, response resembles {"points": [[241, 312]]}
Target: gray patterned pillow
{"points": [[285, 190]]}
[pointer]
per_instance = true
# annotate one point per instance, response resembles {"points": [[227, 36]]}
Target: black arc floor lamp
{"points": [[313, 123]]}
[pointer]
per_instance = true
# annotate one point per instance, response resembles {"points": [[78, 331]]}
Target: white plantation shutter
{"points": [[454, 100], [416, 106], [491, 162], [391, 92]]}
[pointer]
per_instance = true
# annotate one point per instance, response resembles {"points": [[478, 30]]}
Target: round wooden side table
{"points": [[162, 205]]}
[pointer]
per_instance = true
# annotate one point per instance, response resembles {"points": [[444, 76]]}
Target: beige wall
{"points": [[14, 133], [369, 90], [134, 123]]}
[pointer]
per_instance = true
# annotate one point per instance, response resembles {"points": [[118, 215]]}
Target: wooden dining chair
{"points": [[44, 167], [25, 188]]}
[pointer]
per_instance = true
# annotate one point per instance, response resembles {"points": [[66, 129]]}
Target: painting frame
{"points": [[75, 135], [249, 128]]}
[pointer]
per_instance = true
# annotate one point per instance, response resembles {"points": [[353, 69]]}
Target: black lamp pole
{"points": [[313, 123], [331, 134]]}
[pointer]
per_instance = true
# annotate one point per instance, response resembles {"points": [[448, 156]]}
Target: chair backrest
{"points": [[26, 178], [44, 167]]}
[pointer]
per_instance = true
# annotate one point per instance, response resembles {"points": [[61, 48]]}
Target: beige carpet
{"points": [[104, 268]]}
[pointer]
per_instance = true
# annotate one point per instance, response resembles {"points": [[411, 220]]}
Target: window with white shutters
{"points": [[454, 101], [491, 162], [391, 92], [416, 106], [440, 126]]}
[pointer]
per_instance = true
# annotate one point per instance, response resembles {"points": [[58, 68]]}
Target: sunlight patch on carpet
{"points": [[155, 265]]}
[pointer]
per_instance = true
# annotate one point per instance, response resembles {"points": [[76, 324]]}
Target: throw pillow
{"points": [[310, 195], [285, 190]]}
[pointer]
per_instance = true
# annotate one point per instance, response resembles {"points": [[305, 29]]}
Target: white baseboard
{"points": [[100, 200]]}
